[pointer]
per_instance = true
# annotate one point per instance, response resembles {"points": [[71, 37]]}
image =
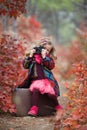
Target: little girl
{"points": [[40, 79]]}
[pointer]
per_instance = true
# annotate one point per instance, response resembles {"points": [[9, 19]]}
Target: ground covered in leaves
{"points": [[9, 122]]}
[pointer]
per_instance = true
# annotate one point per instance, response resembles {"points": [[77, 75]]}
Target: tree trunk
{"points": [[28, 7], [85, 10], [55, 19], [35, 8], [14, 25], [5, 23]]}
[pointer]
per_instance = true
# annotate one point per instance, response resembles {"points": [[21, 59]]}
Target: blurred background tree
{"points": [[58, 17]]}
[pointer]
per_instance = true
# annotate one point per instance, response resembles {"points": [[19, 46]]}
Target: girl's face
{"points": [[48, 47]]}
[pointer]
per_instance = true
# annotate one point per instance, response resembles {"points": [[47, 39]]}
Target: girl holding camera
{"points": [[40, 78]]}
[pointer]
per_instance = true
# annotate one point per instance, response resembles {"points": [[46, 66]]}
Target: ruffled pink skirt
{"points": [[43, 85]]}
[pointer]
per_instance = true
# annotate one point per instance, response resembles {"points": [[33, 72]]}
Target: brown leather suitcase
{"points": [[22, 99]]}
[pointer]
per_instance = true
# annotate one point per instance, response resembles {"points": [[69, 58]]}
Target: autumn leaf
{"points": [[12, 54]]}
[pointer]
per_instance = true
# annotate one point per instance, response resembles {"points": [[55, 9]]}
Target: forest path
{"points": [[10, 122]]}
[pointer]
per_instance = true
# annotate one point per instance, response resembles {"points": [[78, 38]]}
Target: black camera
{"points": [[38, 49]]}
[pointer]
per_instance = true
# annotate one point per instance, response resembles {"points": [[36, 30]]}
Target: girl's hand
{"points": [[44, 52], [32, 51]]}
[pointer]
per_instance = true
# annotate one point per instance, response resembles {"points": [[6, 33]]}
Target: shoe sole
{"points": [[32, 115]]}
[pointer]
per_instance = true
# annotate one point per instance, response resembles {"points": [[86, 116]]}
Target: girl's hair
{"points": [[43, 42], [47, 41]]}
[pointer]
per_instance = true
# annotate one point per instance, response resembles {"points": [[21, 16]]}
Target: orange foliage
{"points": [[12, 8], [11, 54], [30, 28], [77, 92]]}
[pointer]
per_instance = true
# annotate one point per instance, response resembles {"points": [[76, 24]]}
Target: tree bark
{"points": [[5, 23]]}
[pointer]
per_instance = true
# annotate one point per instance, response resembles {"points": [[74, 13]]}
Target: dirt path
{"points": [[10, 122]]}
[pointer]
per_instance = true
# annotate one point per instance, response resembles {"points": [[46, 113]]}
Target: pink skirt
{"points": [[43, 85]]}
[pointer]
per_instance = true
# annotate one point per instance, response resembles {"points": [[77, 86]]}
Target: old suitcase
{"points": [[22, 99]]}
